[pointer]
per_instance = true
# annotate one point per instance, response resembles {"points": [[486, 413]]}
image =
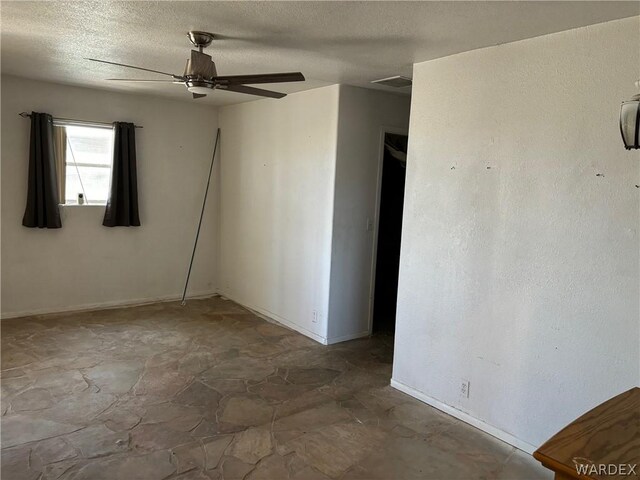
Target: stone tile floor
{"points": [[210, 391]]}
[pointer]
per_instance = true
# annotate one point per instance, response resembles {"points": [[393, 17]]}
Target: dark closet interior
{"points": [[389, 233]]}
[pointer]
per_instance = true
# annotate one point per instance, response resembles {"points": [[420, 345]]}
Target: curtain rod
{"points": [[79, 122]]}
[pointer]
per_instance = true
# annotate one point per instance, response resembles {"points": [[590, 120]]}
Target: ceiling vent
{"points": [[397, 81]]}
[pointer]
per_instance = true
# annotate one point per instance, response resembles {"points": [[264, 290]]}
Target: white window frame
{"points": [[70, 163]]}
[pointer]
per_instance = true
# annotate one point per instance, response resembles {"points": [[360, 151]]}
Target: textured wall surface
{"points": [[84, 264], [276, 206], [519, 267], [298, 182], [362, 117]]}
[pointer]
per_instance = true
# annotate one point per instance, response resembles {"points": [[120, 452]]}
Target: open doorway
{"points": [[387, 256]]}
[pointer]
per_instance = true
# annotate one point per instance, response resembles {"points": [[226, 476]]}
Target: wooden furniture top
{"points": [[608, 434]]}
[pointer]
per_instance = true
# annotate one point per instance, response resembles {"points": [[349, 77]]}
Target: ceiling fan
{"points": [[201, 77]]}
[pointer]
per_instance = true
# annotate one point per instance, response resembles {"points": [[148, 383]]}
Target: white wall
{"points": [[276, 201], [522, 278], [84, 263], [362, 115]]}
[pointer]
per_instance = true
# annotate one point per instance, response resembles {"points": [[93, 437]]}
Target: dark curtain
{"points": [[42, 193], [122, 205]]}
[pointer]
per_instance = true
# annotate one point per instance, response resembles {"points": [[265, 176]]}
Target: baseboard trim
{"points": [[465, 417], [344, 338], [277, 318], [88, 307]]}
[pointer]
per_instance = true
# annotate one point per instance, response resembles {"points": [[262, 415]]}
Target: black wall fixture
{"points": [[630, 121]]}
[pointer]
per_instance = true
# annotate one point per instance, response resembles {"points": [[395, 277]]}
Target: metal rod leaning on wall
{"points": [[204, 202]]}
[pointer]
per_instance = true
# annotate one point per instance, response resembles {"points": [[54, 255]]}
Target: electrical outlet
{"points": [[314, 318], [464, 388]]}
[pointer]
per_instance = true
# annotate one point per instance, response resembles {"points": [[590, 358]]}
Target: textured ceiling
{"points": [[330, 42]]}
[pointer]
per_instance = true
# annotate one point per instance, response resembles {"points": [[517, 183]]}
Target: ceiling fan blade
{"points": [[201, 65], [131, 66], [198, 95], [261, 78], [140, 80], [252, 91]]}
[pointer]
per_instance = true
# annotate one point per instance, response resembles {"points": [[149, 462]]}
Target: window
{"points": [[84, 159]]}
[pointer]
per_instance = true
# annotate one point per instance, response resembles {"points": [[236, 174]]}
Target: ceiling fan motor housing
{"points": [[200, 66]]}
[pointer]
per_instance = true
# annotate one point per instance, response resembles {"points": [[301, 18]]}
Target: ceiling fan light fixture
{"points": [[201, 88]]}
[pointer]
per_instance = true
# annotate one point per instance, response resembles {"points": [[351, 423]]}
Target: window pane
{"points": [[94, 184], [90, 145], [88, 164]]}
